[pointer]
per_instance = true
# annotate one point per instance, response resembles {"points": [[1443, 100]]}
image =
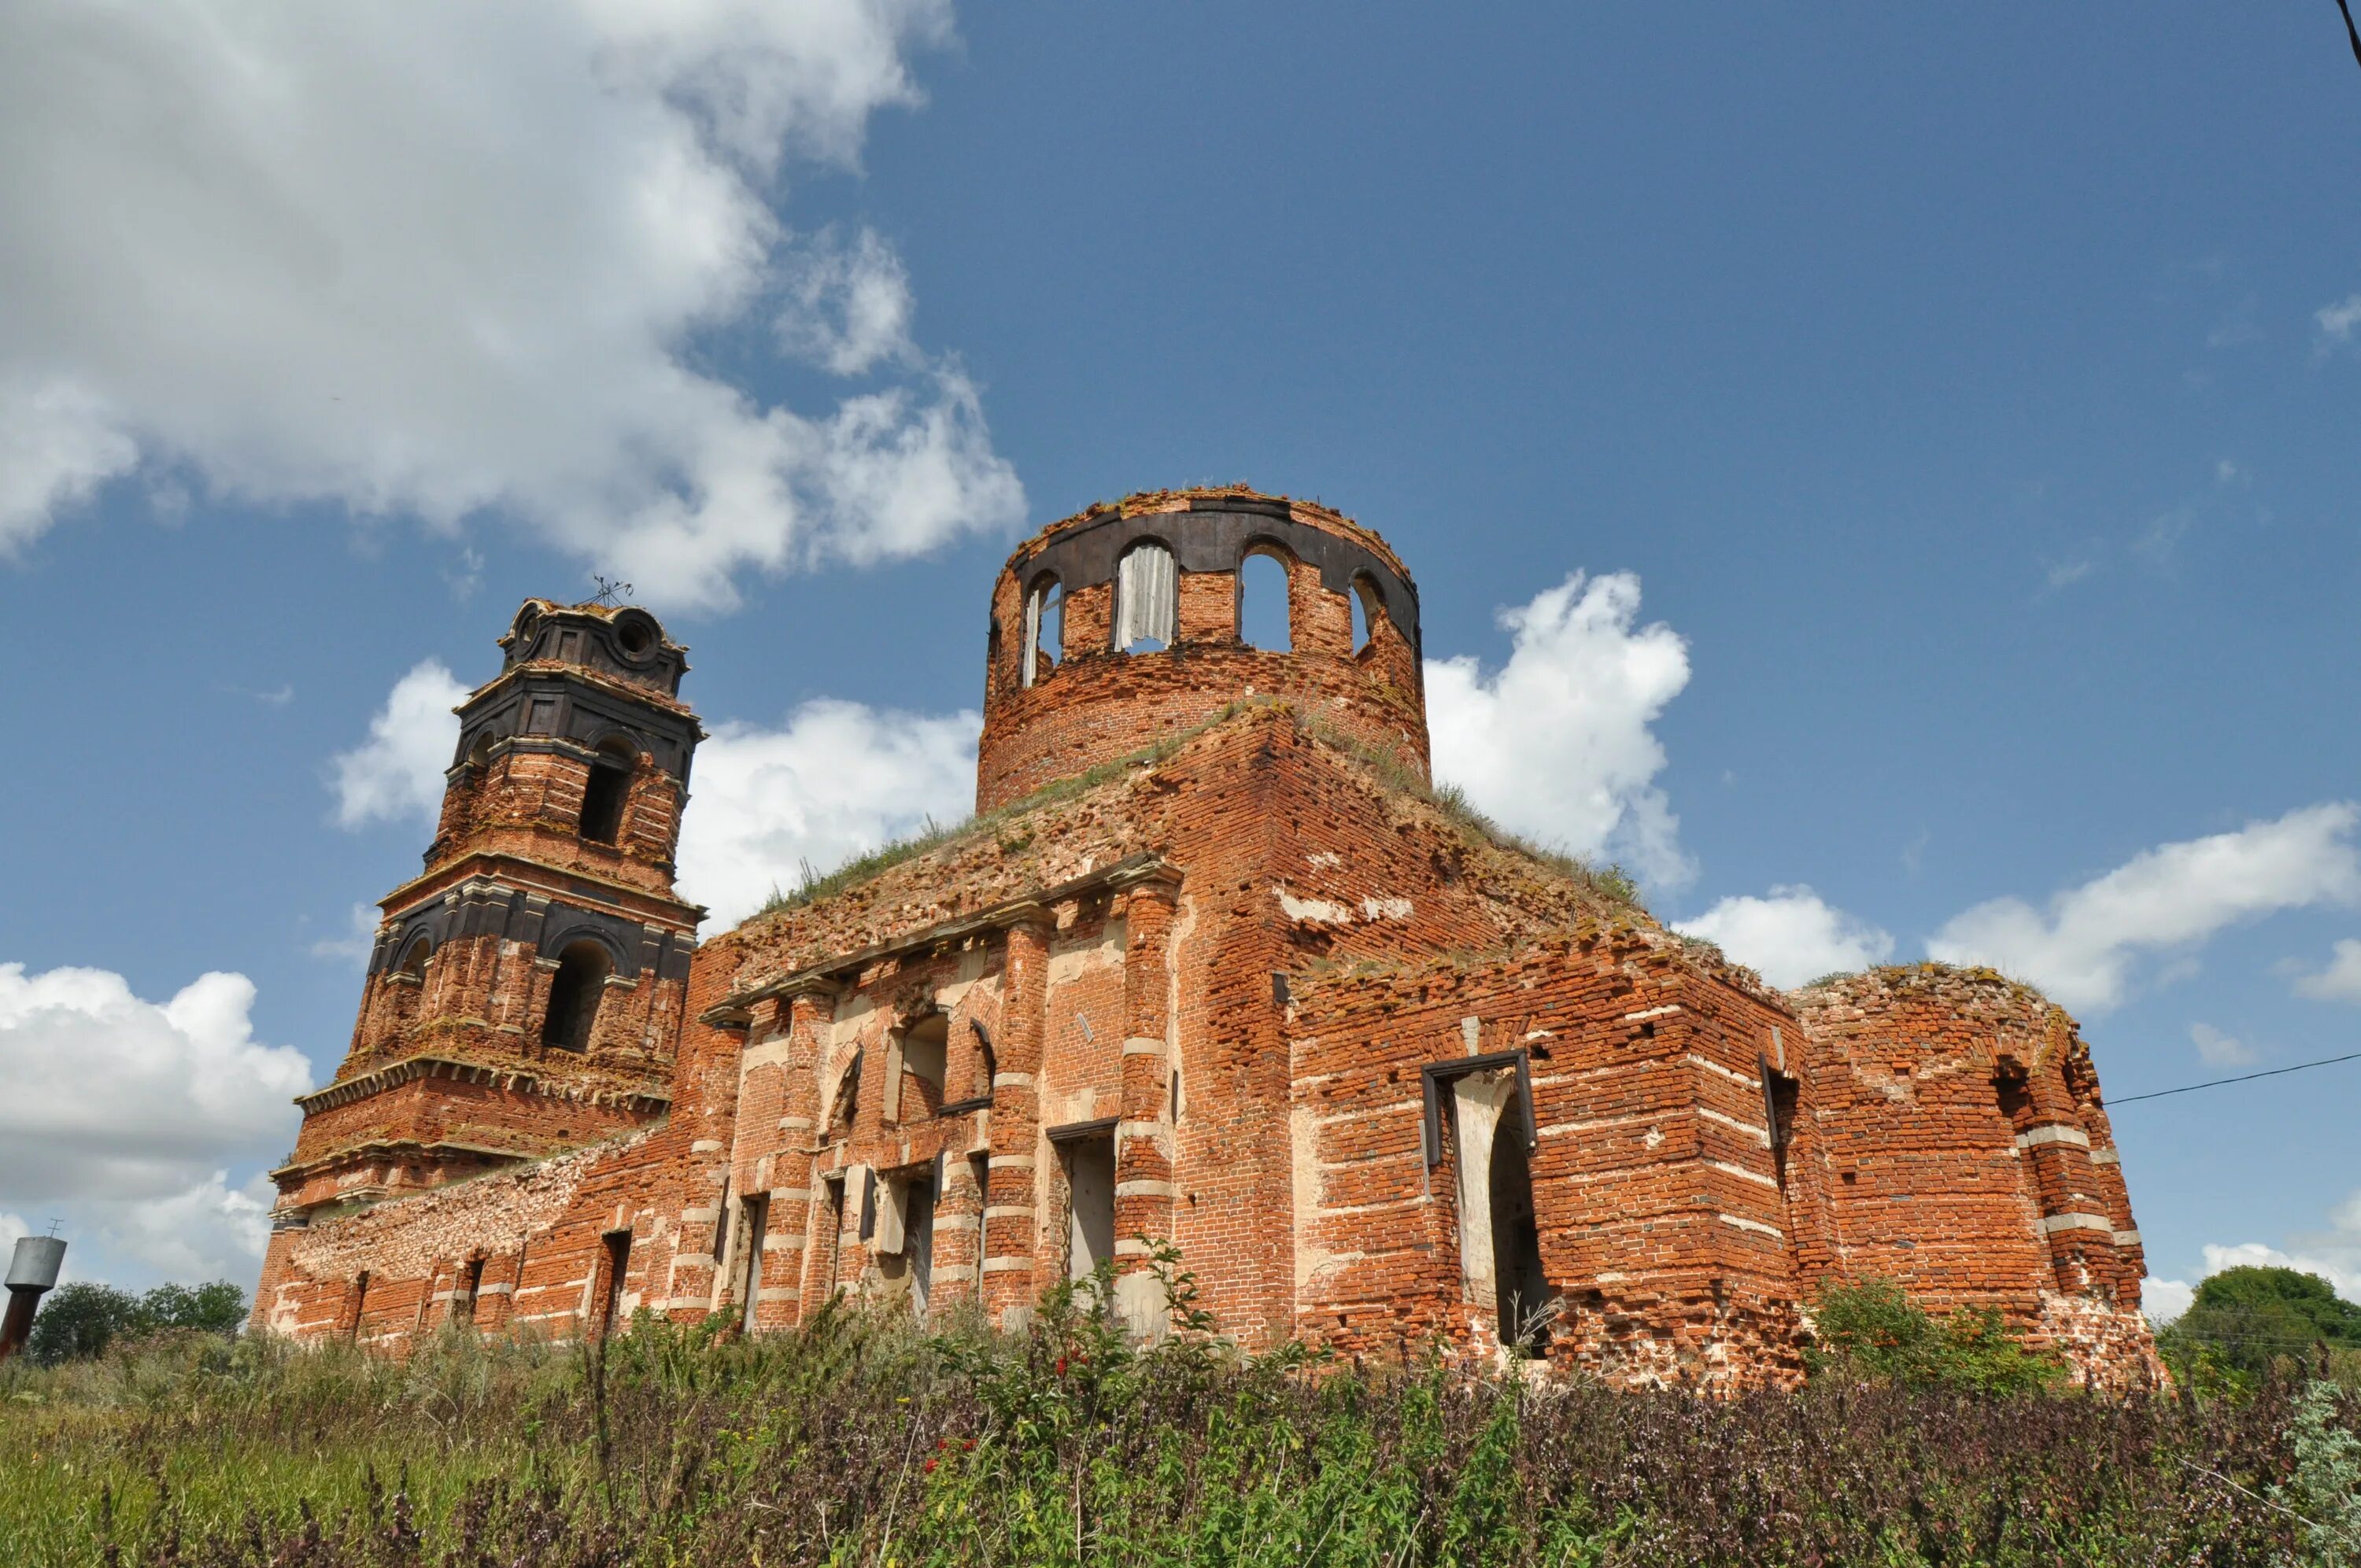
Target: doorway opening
{"points": [[618, 1263], [1087, 1153], [1499, 1232]]}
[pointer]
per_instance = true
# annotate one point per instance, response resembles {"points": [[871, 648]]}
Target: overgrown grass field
{"points": [[859, 1441]]}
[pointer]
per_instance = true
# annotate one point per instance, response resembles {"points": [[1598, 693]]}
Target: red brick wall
{"points": [[529, 804], [1923, 1168], [1243, 956], [1100, 704]]}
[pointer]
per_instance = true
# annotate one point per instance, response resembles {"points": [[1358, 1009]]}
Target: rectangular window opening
{"points": [[471, 1284], [919, 1238], [834, 1240], [603, 798], [979, 1171], [1782, 1095], [754, 1222]]}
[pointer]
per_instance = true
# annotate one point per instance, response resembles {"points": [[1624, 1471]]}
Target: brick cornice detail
{"points": [[516, 1080], [1030, 908]]}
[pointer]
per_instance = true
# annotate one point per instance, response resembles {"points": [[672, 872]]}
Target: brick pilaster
{"points": [[1143, 1137], [2077, 1216], [1011, 1214]]}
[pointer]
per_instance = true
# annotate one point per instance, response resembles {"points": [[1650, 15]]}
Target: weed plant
{"points": [[856, 1439]]}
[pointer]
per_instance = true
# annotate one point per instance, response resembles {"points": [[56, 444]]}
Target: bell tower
{"points": [[525, 992]]}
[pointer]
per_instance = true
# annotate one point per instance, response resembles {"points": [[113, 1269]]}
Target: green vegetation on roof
{"points": [[814, 886], [1611, 883]]}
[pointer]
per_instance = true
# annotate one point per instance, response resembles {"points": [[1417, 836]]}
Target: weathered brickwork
{"points": [[1212, 967]]}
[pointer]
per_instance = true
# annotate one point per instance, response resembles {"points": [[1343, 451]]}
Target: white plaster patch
{"points": [[970, 977], [852, 1012], [1655, 1136], [1069, 962], [1313, 911], [1756, 1226], [1304, 1170], [1385, 909], [1326, 860]]}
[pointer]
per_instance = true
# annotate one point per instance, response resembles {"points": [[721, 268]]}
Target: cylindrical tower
{"points": [[1119, 627]]}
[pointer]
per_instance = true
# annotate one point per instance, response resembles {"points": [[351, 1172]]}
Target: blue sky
{"points": [[1950, 412]]}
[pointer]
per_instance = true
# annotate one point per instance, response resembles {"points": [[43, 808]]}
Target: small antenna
{"points": [[53, 1227], [610, 591]]}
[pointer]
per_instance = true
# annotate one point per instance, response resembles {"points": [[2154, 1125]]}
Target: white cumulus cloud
{"points": [[2333, 1253], [2165, 1300], [2341, 981], [1555, 744], [2340, 321], [1790, 937], [57, 446], [396, 775], [124, 1116], [2219, 1050], [2082, 949], [439, 260], [839, 779], [849, 305]]}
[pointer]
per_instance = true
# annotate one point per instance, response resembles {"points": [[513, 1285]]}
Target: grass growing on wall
{"points": [[859, 1441]]}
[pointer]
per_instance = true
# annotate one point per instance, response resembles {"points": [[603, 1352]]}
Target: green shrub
{"points": [[2325, 1490], [1869, 1328], [78, 1322], [2244, 1320]]}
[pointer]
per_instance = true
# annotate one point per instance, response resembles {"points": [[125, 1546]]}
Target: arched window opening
{"points": [[1045, 629], [847, 1102], [1366, 607], [606, 792], [983, 1064], [575, 994], [1263, 602], [413, 958], [2014, 1094], [481, 751], [1146, 594]]}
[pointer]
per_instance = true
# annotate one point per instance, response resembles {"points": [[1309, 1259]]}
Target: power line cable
{"points": [[2242, 1078], [2350, 31]]}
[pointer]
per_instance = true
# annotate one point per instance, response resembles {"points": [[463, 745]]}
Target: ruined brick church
{"points": [[1211, 965]]}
